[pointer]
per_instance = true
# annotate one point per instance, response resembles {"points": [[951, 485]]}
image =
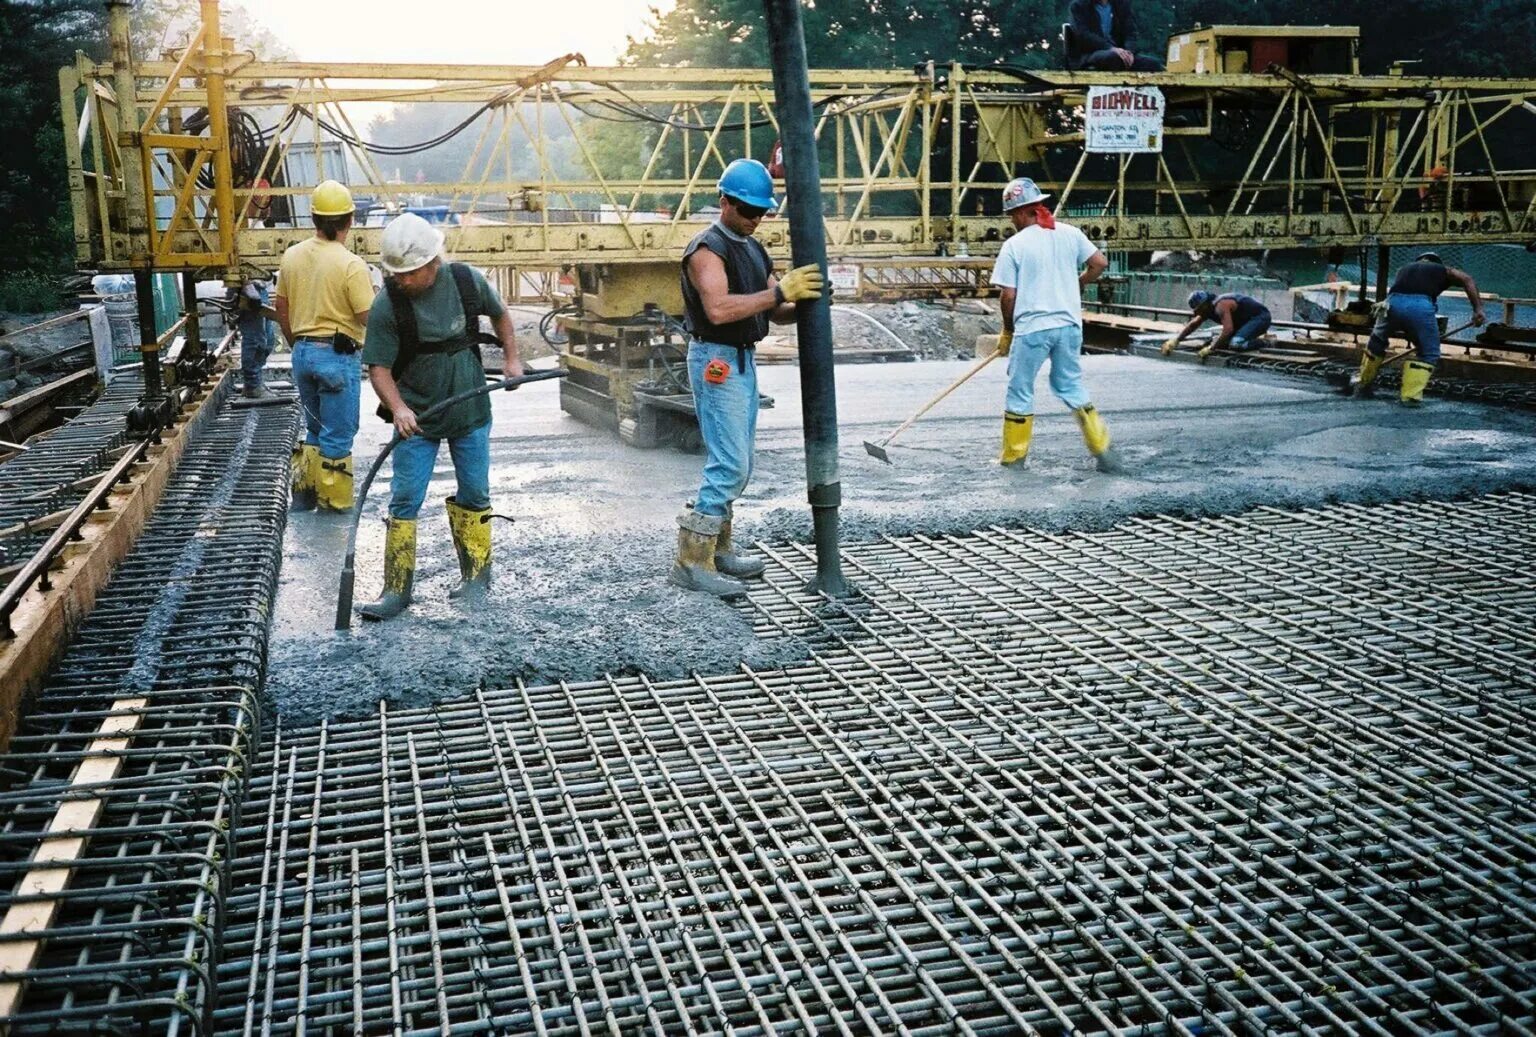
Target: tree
{"points": [[40, 36]]}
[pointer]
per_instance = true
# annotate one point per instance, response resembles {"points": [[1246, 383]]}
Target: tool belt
{"points": [[340, 342]]}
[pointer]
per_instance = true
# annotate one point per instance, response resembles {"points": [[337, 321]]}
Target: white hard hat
{"points": [[409, 243], [1021, 191]]}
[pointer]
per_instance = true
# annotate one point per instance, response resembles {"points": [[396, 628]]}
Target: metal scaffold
{"points": [[1179, 777]]}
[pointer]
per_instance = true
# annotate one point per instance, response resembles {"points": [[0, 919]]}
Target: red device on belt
{"points": [[716, 371]]}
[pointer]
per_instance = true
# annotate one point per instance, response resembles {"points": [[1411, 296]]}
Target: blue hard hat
{"points": [[1200, 299], [747, 181]]}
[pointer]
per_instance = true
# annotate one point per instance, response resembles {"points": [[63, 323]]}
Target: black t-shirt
{"points": [[1421, 278], [747, 267]]}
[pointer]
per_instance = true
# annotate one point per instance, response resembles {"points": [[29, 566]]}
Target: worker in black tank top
{"points": [[1243, 320], [730, 294], [1410, 311]]}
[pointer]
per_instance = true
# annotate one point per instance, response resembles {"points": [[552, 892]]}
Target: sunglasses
{"points": [[751, 212]]}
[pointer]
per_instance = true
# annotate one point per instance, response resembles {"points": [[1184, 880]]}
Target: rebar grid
{"points": [[1257, 774], [174, 650], [1507, 394], [54, 474]]}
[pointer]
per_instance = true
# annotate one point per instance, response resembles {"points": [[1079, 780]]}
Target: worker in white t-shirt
{"points": [[1041, 273]]}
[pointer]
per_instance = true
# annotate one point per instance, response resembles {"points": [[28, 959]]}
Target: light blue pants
{"points": [[416, 457], [1413, 317], [1062, 346], [330, 387], [728, 422]]}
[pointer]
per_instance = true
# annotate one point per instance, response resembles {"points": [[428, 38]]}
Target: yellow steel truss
{"points": [[912, 159]]}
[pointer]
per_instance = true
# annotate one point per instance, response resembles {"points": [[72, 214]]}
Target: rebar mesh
{"points": [[173, 651], [1262, 774]]}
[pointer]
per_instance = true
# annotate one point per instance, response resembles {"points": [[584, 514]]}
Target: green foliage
{"points": [[1490, 38], [30, 291]]}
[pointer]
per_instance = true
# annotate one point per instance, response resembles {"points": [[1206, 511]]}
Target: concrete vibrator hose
{"points": [[348, 568]]}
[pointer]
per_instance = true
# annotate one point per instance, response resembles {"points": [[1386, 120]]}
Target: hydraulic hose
{"points": [[348, 567]]}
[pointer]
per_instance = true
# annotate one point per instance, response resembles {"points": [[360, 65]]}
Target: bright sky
{"points": [[503, 32]]}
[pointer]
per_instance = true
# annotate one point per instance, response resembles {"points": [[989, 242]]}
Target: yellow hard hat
{"points": [[331, 198]]}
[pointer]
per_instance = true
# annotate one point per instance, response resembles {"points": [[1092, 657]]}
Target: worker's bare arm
{"points": [[1005, 299], [282, 320], [506, 332], [707, 272], [1097, 264], [1224, 311], [1468, 285], [383, 381]]}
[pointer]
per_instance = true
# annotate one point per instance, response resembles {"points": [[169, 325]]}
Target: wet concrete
{"points": [[580, 576]]}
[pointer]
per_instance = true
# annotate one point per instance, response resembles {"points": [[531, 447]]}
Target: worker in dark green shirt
{"points": [[422, 347]]}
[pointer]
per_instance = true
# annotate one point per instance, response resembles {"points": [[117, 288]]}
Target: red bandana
{"points": [[1043, 216]]}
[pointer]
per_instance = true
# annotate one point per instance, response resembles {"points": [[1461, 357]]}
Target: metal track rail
{"points": [[1509, 394], [1261, 774], [168, 665]]}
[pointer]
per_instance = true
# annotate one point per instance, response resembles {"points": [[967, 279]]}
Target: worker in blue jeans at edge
{"points": [[730, 294], [1243, 320], [1411, 310]]}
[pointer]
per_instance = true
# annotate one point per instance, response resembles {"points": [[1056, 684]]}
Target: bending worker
{"points": [[1243, 321], [423, 347], [323, 296], [1042, 307], [730, 294], [1410, 311]]}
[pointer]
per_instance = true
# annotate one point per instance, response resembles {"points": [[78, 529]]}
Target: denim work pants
{"points": [[1246, 337], [255, 342], [1413, 317], [330, 386], [728, 422], [416, 457], [1062, 347]]}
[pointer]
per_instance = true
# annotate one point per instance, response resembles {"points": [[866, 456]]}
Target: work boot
{"points": [[1018, 429], [257, 392], [399, 570], [727, 561], [333, 489], [1095, 432], [1415, 377], [306, 462], [472, 543], [1370, 366], [697, 536]]}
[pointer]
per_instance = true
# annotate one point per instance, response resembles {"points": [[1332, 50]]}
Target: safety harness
{"points": [[409, 335]]}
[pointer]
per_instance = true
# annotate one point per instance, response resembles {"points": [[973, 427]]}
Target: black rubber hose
{"points": [[348, 567]]}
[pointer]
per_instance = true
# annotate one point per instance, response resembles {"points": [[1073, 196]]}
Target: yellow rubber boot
{"points": [[1095, 432], [1370, 367], [399, 570], [471, 529], [1018, 429], [728, 561], [333, 489], [306, 462], [697, 537], [1415, 378]]}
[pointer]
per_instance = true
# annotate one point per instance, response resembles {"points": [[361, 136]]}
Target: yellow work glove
{"points": [[1168, 346], [1004, 343], [803, 282]]}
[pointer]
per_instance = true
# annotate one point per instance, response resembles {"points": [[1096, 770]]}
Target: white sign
{"points": [[844, 277], [1125, 119]]}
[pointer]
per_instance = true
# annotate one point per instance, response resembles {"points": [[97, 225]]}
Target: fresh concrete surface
{"points": [[580, 576]]}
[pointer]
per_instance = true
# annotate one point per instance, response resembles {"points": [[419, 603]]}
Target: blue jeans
{"points": [[416, 457], [728, 422], [1413, 317], [1029, 352], [1246, 336], [330, 387], [255, 342]]}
